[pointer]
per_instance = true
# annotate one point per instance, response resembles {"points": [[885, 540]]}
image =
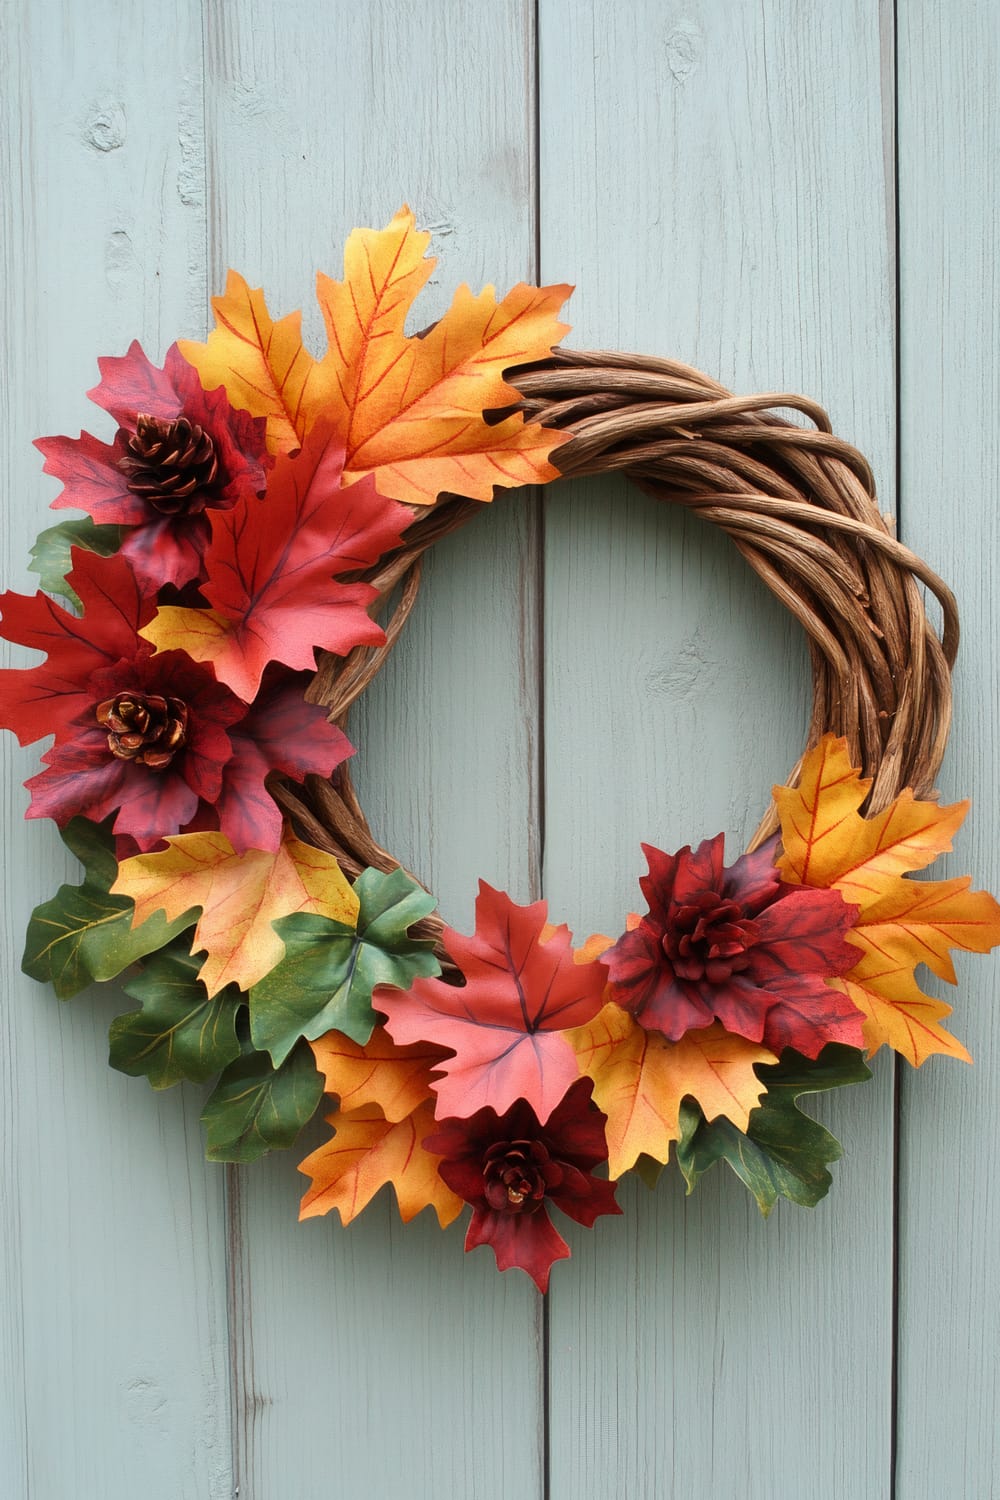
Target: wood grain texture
{"points": [[112, 1300], [714, 182], [380, 1359], [949, 138]]}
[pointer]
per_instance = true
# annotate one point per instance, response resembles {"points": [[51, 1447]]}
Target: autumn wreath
{"points": [[249, 552]]}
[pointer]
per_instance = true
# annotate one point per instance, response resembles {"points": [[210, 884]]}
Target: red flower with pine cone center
{"points": [[733, 944], [518, 1174], [172, 466], [179, 452], [512, 1169], [144, 728]]}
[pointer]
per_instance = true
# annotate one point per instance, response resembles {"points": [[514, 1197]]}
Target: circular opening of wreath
{"points": [[255, 520]]}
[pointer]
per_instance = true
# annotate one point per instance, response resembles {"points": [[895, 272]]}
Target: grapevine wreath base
{"points": [[249, 553]]}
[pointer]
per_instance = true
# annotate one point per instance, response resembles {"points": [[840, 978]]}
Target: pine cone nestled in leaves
{"points": [[144, 728], [170, 465]]}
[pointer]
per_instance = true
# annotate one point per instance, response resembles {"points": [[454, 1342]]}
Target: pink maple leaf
{"points": [[504, 1023]]}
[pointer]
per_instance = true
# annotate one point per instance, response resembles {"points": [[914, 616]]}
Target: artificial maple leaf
{"points": [[270, 572], [504, 1024], [640, 1079], [263, 365], [408, 410], [897, 1012], [239, 895], [366, 1152], [901, 923], [826, 842], [50, 697], [396, 1079]]}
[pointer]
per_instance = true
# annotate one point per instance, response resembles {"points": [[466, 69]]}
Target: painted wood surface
{"points": [[949, 1226], [582, 672]]}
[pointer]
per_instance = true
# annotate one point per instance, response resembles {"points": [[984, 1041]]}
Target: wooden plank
{"points": [[376, 1358], [114, 1369], [949, 1316], [714, 182]]}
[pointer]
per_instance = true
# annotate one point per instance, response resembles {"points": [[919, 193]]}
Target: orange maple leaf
{"points": [[897, 1012], [396, 1079], [240, 895], [640, 1080], [828, 844], [367, 1151], [409, 410]]}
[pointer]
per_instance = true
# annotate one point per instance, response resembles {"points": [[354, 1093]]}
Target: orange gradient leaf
{"points": [[828, 843], [240, 895], [897, 1012], [396, 1079], [263, 365], [640, 1080], [366, 1152], [409, 410], [901, 922]]}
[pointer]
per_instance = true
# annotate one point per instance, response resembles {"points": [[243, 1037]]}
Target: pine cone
{"points": [[171, 465], [144, 728]]}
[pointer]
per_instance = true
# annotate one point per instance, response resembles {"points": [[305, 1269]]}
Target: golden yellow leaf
{"points": [[240, 895], [827, 842], [396, 1079], [901, 923], [367, 1151], [640, 1080], [897, 1012], [408, 410], [263, 365]]}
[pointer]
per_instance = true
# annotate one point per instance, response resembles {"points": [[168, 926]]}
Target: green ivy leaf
{"points": [[256, 1108], [784, 1151], [326, 978], [51, 558], [84, 933], [178, 1032]]}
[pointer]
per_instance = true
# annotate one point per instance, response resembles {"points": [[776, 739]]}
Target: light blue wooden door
{"points": [[793, 196]]}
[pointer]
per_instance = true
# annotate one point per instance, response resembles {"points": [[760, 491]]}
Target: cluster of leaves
{"points": [[246, 488]]}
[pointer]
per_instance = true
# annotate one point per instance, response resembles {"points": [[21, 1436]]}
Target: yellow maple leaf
{"points": [[409, 410], [640, 1080], [366, 1152], [395, 1078], [263, 365], [897, 1012], [240, 895], [827, 843]]}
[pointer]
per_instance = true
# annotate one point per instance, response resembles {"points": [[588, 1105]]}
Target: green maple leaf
{"points": [[784, 1152], [51, 558], [178, 1032], [256, 1108], [84, 933], [326, 978]]}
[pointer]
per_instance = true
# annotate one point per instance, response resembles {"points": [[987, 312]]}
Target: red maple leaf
{"points": [[273, 569], [45, 699], [166, 504], [735, 944], [504, 1023], [279, 732]]}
